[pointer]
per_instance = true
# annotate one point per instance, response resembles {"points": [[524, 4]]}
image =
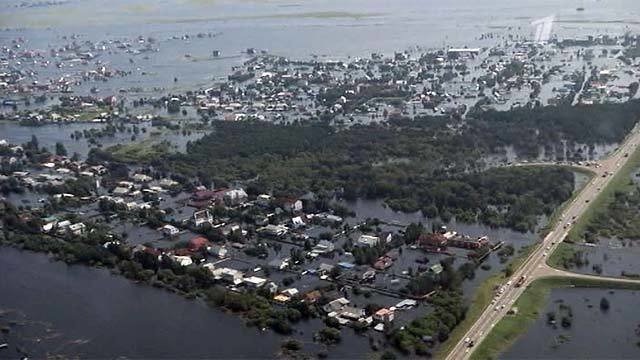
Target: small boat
{"points": [[4, 346], [580, 9]]}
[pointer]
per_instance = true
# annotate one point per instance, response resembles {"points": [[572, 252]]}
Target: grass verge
{"points": [[530, 305], [563, 253]]}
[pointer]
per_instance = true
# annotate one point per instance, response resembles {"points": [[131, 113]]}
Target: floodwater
{"points": [[594, 334], [49, 135], [50, 308], [297, 29]]}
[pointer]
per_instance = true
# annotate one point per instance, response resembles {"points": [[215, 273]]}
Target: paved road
{"points": [[535, 265]]}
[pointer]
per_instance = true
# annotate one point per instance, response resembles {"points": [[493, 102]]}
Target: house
{"points": [[406, 304], [182, 260], [120, 191], [324, 247], [281, 298], [209, 195], [324, 269], [98, 169], [279, 264], [202, 217], [198, 243], [271, 287], [254, 282], [63, 225], [47, 227], [433, 240], [273, 230], [312, 297], [436, 269], [336, 305], [291, 292], [383, 263], [77, 228], [219, 251], [264, 200], [369, 275], [384, 315], [297, 222], [368, 240], [292, 205], [351, 313], [329, 217], [141, 178], [346, 265], [49, 223], [386, 237], [170, 230], [167, 182], [235, 197], [228, 275]]}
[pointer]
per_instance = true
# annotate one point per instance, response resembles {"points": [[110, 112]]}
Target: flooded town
{"points": [[317, 183]]}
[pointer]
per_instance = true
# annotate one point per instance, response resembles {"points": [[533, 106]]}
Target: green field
{"points": [[141, 151]]}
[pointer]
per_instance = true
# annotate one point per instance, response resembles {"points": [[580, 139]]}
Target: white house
{"points": [[141, 178], [77, 228], [235, 197], [182, 260], [170, 230], [202, 217], [293, 205], [219, 251], [368, 240], [254, 282]]}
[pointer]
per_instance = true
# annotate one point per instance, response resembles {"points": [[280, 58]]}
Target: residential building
{"points": [[254, 282], [202, 217], [235, 197], [219, 251], [182, 260], [293, 205], [384, 315], [198, 243], [368, 240], [77, 228], [170, 230]]}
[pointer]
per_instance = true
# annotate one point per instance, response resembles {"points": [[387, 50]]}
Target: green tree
{"points": [[60, 149]]}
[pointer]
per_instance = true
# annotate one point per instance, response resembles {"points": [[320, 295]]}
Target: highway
{"points": [[535, 265]]}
